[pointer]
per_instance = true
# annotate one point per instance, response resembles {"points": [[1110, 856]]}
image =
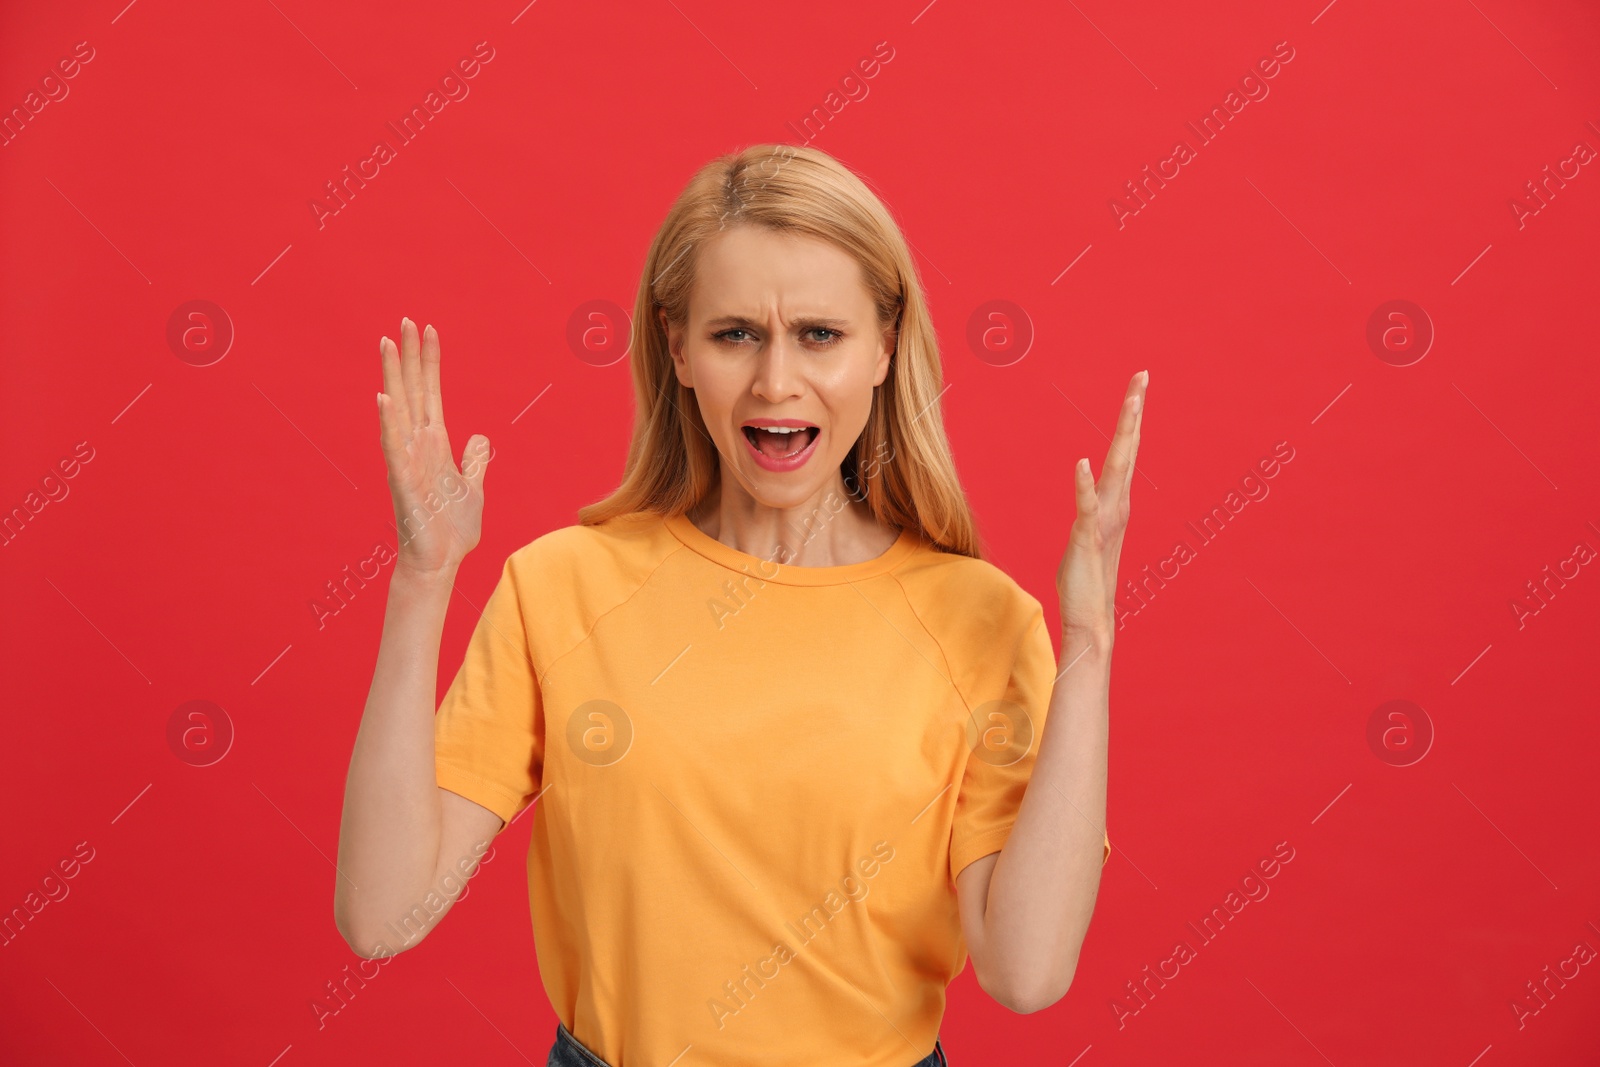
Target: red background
{"points": [[1382, 565]]}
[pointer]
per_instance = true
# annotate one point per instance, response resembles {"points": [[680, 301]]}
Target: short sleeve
{"points": [[1003, 740], [489, 730]]}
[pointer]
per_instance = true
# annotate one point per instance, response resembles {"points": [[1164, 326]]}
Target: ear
{"points": [[675, 349], [891, 343]]}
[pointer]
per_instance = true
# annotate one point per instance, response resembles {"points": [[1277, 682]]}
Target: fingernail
{"points": [[404, 322]]}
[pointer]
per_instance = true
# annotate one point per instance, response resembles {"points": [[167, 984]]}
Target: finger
{"points": [[390, 436], [411, 370], [394, 388], [1088, 499], [1114, 475], [1143, 380], [1133, 458], [433, 402], [475, 460]]}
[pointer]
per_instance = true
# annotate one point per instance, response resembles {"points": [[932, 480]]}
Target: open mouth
{"points": [[780, 442]]}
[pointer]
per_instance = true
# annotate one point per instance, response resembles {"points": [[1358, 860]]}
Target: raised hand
{"points": [[1086, 581], [438, 508]]}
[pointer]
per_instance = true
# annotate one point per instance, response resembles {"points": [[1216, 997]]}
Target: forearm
{"points": [[390, 830], [1045, 882]]}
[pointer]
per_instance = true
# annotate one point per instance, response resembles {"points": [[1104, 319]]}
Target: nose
{"points": [[778, 370]]}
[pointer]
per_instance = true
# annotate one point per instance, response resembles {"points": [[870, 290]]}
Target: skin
{"points": [[405, 842], [1025, 910], [777, 363]]}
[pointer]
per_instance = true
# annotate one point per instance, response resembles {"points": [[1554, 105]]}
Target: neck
{"points": [[828, 529]]}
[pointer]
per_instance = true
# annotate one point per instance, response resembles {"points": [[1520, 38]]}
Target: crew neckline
{"points": [[702, 543]]}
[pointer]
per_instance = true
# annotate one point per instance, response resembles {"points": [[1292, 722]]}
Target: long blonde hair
{"points": [[902, 461]]}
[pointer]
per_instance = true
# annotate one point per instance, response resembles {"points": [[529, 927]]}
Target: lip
{"points": [[766, 462]]}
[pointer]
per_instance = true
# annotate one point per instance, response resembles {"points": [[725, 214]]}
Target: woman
{"points": [[779, 716]]}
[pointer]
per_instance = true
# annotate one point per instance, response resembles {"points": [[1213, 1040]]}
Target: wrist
{"points": [[422, 579], [1086, 643]]}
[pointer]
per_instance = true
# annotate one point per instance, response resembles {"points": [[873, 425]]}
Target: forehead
{"points": [[749, 270]]}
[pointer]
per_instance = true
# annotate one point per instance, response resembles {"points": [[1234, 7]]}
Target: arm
{"points": [[406, 846], [403, 838], [1025, 910]]}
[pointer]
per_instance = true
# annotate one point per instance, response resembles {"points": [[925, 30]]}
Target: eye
{"points": [[832, 337]]}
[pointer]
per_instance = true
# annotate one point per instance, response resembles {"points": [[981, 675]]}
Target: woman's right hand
{"points": [[438, 509]]}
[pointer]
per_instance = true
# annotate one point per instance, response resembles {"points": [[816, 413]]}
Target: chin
{"points": [[783, 491], [788, 498]]}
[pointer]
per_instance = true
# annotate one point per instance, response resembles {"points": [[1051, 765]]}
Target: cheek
{"points": [[840, 375], [715, 394], [847, 396]]}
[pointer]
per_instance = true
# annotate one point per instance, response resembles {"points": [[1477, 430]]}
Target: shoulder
{"points": [[570, 577], [990, 629], [591, 569], [624, 544], [966, 599]]}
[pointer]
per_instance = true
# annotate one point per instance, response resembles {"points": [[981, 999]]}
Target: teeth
{"points": [[780, 429]]}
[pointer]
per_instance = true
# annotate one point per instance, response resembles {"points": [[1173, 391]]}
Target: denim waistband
{"points": [[568, 1051]]}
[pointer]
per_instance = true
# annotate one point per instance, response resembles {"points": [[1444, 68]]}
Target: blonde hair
{"points": [[902, 461]]}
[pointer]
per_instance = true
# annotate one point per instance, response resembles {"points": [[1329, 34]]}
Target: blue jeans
{"points": [[568, 1051]]}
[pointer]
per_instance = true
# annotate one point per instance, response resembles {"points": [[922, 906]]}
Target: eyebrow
{"points": [[805, 323]]}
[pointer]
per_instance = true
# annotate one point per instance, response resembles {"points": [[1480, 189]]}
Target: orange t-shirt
{"points": [[756, 783]]}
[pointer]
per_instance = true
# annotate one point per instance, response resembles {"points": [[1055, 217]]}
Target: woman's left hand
{"points": [[1086, 582]]}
